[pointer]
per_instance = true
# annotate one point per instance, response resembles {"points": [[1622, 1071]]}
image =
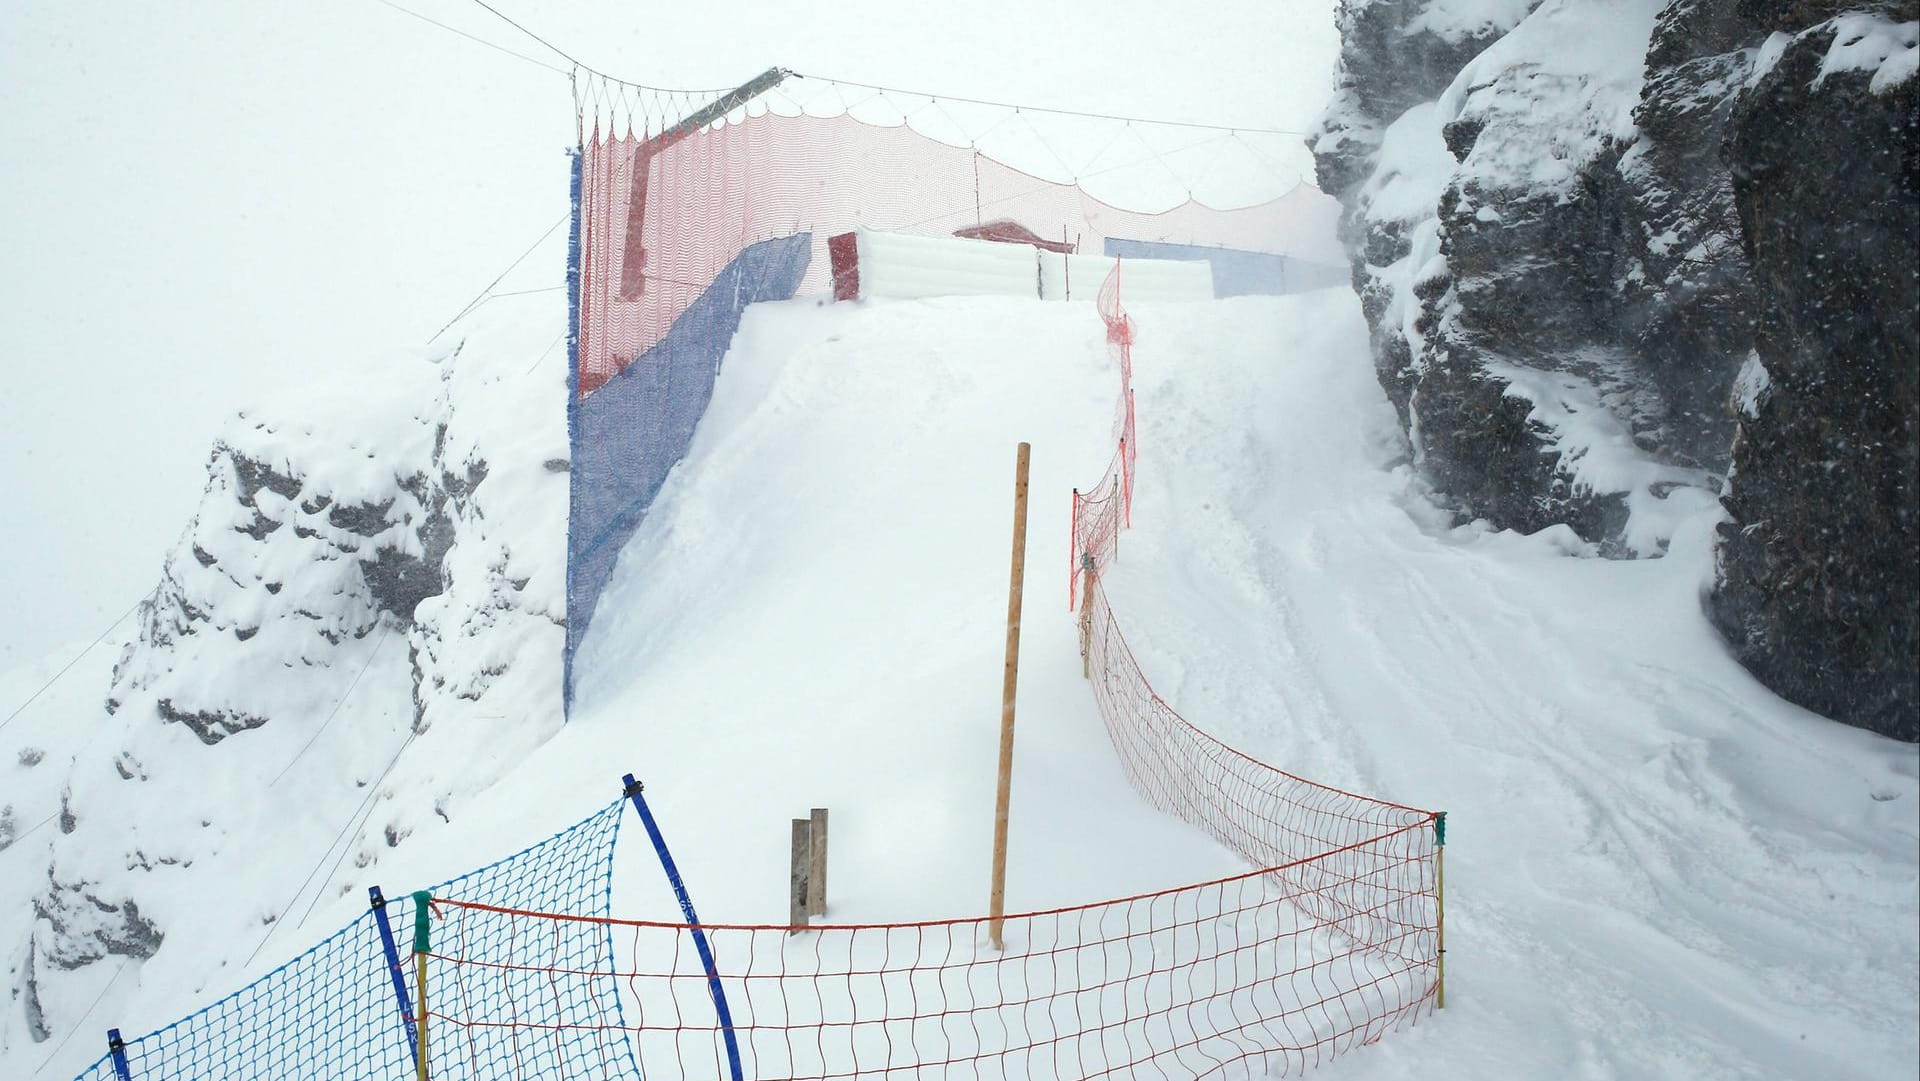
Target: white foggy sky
{"points": [[206, 201]]}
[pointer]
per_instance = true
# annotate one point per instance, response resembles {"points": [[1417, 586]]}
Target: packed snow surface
{"points": [[1656, 868]]}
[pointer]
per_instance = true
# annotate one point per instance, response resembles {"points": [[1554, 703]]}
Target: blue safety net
{"points": [[333, 1012], [628, 434]]}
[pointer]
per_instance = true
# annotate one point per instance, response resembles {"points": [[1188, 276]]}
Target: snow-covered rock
{"points": [[1547, 213], [362, 623]]}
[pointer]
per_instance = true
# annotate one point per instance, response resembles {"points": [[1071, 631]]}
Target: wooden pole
{"points": [[1086, 617], [797, 884], [420, 1024], [997, 901], [817, 863]]}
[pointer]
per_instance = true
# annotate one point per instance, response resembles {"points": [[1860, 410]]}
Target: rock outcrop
{"points": [[1820, 577], [1573, 224], [372, 586]]}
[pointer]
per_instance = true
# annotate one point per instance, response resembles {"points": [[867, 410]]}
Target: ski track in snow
{"points": [[1659, 870]]}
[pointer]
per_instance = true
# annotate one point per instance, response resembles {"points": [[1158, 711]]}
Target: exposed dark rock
{"points": [[84, 927], [253, 475], [1820, 590], [399, 582], [210, 725], [1688, 303], [365, 519], [1572, 263], [260, 527], [37, 1029]]}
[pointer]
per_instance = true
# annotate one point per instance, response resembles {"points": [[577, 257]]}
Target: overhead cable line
{"points": [[482, 296], [1242, 128], [44, 687], [555, 49], [1043, 109], [474, 38]]}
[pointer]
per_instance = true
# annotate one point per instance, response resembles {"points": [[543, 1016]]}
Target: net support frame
{"points": [[636, 792]]}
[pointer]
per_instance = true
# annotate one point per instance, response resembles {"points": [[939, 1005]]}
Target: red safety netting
{"points": [[1220, 979], [1326, 843], [663, 213]]}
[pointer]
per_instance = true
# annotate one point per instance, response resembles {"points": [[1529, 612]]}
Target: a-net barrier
{"points": [[690, 206], [337, 1012], [1362, 866]]}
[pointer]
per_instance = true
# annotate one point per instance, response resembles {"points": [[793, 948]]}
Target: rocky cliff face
{"points": [[1551, 211], [370, 589], [1818, 555]]}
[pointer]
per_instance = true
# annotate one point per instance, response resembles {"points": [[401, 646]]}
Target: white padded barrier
{"points": [[904, 266], [899, 265], [1079, 277]]}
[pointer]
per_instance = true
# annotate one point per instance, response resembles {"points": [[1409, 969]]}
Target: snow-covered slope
{"points": [[1658, 869]]}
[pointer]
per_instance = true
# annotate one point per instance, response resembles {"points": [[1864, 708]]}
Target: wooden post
{"points": [[420, 1024], [817, 863], [997, 901], [1086, 617], [797, 886]]}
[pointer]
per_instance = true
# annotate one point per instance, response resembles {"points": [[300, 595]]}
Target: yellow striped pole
{"points": [[1439, 904]]}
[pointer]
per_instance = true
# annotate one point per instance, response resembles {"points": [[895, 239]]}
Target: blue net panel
{"points": [[627, 435], [333, 1011]]}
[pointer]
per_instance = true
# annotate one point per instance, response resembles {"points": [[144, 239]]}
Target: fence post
{"points": [[117, 1047], [379, 905], [797, 903], [1440, 905], [1086, 616], [633, 791], [817, 863], [1073, 548], [422, 945], [997, 900]]}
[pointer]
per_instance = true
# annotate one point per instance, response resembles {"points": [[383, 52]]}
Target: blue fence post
{"points": [[574, 617], [633, 791], [117, 1047], [379, 904]]}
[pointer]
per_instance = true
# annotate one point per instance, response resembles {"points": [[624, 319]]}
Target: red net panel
{"points": [[1222, 979], [661, 219]]}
